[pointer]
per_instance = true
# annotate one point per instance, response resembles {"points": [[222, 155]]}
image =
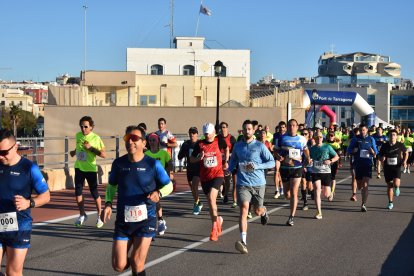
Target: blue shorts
{"points": [[128, 230], [15, 239]]}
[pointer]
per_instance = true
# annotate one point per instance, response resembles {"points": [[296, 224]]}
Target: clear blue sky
{"points": [[43, 39]]}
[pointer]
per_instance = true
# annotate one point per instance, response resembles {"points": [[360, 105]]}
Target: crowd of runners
{"points": [[228, 168]]}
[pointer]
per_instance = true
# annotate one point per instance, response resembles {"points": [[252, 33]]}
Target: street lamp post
{"points": [[161, 86], [217, 69], [314, 98]]}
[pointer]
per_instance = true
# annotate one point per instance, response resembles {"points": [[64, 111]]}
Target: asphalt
{"points": [[345, 242]]}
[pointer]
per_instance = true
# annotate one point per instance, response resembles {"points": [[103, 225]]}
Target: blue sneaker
{"points": [[197, 208], [390, 206], [162, 226], [397, 191]]}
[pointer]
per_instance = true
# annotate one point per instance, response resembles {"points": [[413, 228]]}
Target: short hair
{"points": [[129, 129], [224, 123], [254, 122], [282, 123], [143, 125], [292, 120], [393, 131], [87, 119], [162, 120], [362, 125], [6, 134], [247, 122]]}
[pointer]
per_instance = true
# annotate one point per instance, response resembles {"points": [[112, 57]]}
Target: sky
{"points": [[40, 40]]}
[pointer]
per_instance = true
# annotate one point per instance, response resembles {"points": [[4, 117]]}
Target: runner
{"points": [[193, 169], [88, 146], [167, 139], [228, 175], [363, 148], [394, 155], [18, 177], [291, 148], [252, 158], [333, 141], [408, 143], [345, 142], [279, 131], [141, 182], [323, 155], [306, 181], [166, 162], [208, 153], [355, 132], [380, 139]]}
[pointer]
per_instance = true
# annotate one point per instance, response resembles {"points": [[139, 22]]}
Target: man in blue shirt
{"points": [[18, 177], [142, 182], [252, 158], [364, 149]]}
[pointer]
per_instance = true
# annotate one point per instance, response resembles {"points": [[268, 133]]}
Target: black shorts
{"points": [[214, 183], [362, 171], [391, 172], [80, 176], [325, 178], [334, 170], [191, 174], [287, 173], [307, 175]]}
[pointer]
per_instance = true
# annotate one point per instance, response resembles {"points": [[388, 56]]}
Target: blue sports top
{"points": [[256, 153], [362, 156], [291, 148], [20, 179], [136, 180]]}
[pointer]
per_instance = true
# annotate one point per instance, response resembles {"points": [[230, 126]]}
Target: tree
{"points": [[15, 115]]}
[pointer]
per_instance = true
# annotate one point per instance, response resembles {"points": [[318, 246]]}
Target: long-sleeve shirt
{"points": [[362, 156], [254, 153]]}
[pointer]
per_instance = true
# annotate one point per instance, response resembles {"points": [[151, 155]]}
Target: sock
{"points": [[243, 236], [304, 195]]}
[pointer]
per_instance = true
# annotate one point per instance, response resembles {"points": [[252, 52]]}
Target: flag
{"points": [[205, 10]]}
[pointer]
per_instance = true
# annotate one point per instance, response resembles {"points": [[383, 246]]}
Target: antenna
{"points": [[172, 24], [332, 48], [84, 49]]}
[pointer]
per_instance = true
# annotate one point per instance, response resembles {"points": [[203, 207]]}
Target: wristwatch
{"points": [[32, 203]]}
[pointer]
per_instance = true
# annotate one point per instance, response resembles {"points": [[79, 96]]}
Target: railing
{"points": [[33, 149]]}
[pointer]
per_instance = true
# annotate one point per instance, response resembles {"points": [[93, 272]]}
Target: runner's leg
{"points": [[15, 260]]}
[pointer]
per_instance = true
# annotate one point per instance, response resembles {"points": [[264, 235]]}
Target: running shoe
{"points": [[81, 220], [290, 221], [408, 170], [277, 195], [197, 208], [220, 194], [241, 247], [318, 215], [264, 219], [219, 225], [331, 196], [305, 207], [162, 226], [397, 191], [249, 215], [405, 170], [363, 208], [379, 176], [353, 198], [99, 223], [234, 205], [214, 233], [390, 205], [225, 199]]}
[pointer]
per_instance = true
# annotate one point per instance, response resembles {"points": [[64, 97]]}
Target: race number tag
{"points": [[210, 162], [364, 154], [319, 164], [294, 154], [8, 222], [81, 156], [135, 213], [246, 167], [190, 152], [392, 161]]}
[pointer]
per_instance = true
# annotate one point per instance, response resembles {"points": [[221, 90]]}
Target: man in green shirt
{"points": [[88, 146]]}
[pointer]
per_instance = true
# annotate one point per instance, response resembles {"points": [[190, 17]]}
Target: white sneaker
{"points": [[99, 223], [405, 170], [81, 220], [277, 195], [162, 226], [408, 171]]}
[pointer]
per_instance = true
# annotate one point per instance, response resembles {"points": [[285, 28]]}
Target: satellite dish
{"points": [[205, 67]]}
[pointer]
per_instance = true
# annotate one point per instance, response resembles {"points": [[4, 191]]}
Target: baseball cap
{"points": [[208, 128], [193, 130]]}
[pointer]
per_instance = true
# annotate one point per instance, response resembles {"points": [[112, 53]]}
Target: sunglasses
{"points": [[132, 137], [84, 126], [5, 152], [305, 133]]}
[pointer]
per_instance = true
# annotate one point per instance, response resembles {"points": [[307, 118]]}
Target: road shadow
{"points": [[399, 261]]}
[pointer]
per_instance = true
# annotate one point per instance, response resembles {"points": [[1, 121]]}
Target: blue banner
{"points": [[333, 97]]}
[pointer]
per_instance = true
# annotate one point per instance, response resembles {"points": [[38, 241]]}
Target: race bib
{"points": [[409, 149], [135, 213], [364, 154], [190, 152], [392, 161], [294, 154], [210, 162], [8, 222], [246, 167], [319, 165], [81, 156]]}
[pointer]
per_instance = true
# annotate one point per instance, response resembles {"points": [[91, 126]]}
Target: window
{"points": [[334, 109], [143, 100], [21, 103], [223, 71], [188, 70], [157, 69], [371, 99], [148, 100], [343, 112], [152, 99], [401, 100], [402, 114], [3, 103]]}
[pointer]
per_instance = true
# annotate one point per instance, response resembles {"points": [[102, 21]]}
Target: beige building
{"points": [[17, 97]]}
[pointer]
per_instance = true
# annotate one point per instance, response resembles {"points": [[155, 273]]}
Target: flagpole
{"points": [[198, 19]]}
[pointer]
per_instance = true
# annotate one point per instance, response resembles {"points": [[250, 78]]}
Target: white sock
{"points": [[243, 236]]}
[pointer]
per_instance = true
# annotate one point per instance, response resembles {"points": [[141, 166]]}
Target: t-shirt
{"points": [[363, 144], [211, 166], [160, 155], [392, 153], [291, 148], [86, 159], [185, 151], [320, 154], [19, 179], [166, 137], [136, 180]]}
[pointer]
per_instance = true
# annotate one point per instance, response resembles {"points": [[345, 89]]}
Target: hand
{"points": [[355, 150], [106, 214], [371, 151], [86, 145], [21, 203], [249, 167], [200, 156], [72, 153], [225, 165], [327, 162], [154, 196]]}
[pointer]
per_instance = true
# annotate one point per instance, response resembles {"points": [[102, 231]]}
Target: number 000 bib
{"points": [[8, 222]]}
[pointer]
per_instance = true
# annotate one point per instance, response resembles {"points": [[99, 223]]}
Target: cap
{"points": [[155, 136], [193, 130], [208, 128]]}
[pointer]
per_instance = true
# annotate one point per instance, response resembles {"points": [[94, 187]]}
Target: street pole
{"points": [[218, 104]]}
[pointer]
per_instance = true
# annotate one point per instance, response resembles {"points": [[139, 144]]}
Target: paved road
{"points": [[344, 242]]}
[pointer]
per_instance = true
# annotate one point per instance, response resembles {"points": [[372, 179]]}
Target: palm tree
{"points": [[15, 115]]}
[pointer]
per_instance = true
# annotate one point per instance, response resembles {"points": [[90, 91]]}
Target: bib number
{"points": [[81, 156], [246, 167], [319, 164], [364, 154], [392, 161], [8, 222], [294, 154], [135, 213], [210, 162]]}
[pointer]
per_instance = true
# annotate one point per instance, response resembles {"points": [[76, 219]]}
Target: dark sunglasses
{"points": [[331, 135], [84, 126], [5, 152], [305, 133], [132, 137]]}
